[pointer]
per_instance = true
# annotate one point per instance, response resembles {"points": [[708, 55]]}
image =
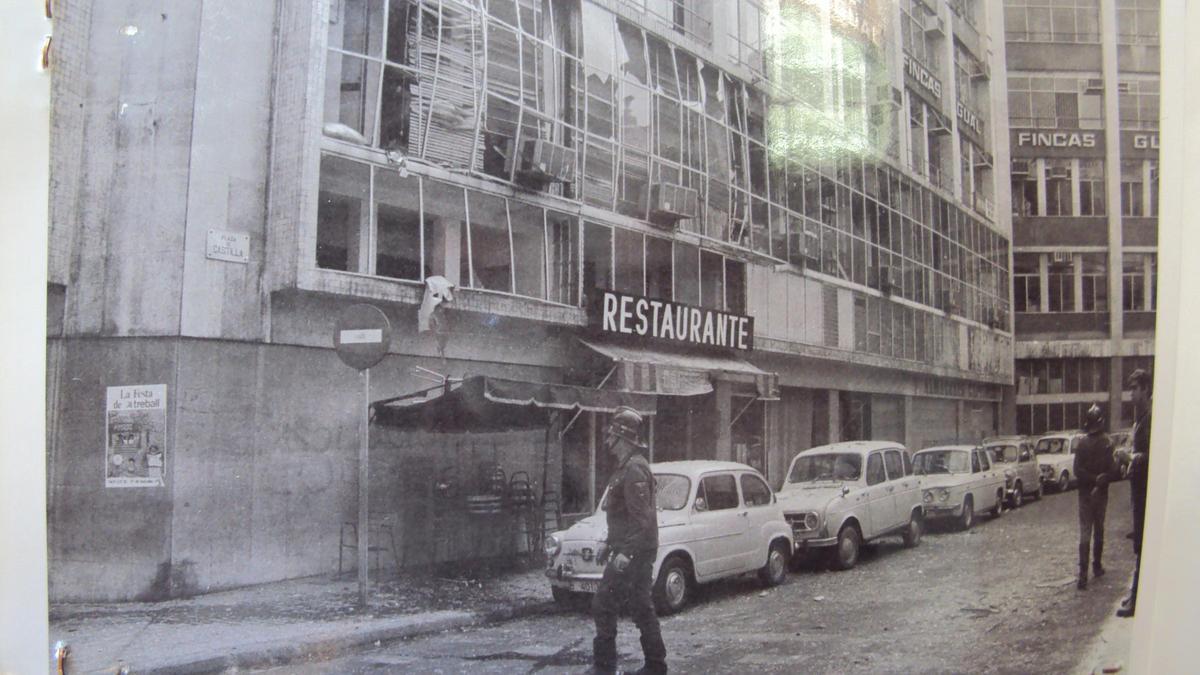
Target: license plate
{"points": [[585, 586]]}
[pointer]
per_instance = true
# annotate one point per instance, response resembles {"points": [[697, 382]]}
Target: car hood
{"points": [[809, 496], [944, 480], [595, 527]]}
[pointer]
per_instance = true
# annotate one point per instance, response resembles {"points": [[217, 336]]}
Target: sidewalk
{"points": [[1109, 651], [281, 622]]}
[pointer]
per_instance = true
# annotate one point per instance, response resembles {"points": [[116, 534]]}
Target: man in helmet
{"points": [[1094, 468], [1140, 387], [629, 550]]}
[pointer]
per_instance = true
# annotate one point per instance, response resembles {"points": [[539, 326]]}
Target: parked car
{"points": [[1122, 450], [715, 520], [1015, 455], [957, 480], [836, 497], [1056, 458]]}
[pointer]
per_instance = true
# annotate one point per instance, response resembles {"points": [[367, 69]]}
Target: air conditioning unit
{"points": [[983, 71], [541, 162], [670, 203], [1093, 86], [1020, 167], [888, 278], [1123, 87], [950, 300], [1058, 172], [935, 24], [887, 95], [1061, 258], [984, 158]]}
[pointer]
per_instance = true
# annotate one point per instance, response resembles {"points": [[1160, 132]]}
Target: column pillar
{"points": [[1112, 188], [835, 416], [724, 417]]}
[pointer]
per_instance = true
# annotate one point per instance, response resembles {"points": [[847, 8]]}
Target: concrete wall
{"points": [[261, 463]]}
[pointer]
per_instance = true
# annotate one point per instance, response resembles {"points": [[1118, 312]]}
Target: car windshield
{"points": [[942, 461], [1050, 446], [670, 492], [1003, 453], [840, 466]]}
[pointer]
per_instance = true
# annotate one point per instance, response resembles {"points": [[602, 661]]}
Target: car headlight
{"points": [[943, 494], [551, 546], [811, 521], [928, 496]]}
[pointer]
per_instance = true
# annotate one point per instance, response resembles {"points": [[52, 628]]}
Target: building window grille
{"points": [[1137, 22], [1049, 102], [1091, 187], [1132, 188], [1069, 21], [1138, 103], [1094, 282]]}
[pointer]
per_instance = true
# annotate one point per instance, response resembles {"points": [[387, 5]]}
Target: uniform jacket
{"points": [[1094, 457], [1141, 443], [630, 510]]}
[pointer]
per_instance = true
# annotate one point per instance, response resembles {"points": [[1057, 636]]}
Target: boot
{"points": [[1097, 568], [1081, 583]]}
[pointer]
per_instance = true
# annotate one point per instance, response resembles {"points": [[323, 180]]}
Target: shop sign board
{"points": [[135, 423], [362, 336], [228, 246], [1139, 143], [970, 118], [663, 320], [1056, 143], [924, 79]]}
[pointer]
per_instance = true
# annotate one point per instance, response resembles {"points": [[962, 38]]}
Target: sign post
{"points": [[362, 336]]}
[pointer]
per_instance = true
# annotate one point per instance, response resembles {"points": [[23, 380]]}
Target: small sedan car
{"points": [[715, 520], [1056, 458], [839, 496], [957, 480], [1016, 457]]}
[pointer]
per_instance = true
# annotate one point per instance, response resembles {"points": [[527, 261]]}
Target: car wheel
{"points": [[849, 541], [1018, 498], [1064, 482], [775, 571], [998, 509], [912, 533], [967, 519], [673, 588]]}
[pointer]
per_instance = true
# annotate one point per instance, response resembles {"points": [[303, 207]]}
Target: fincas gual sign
{"points": [[1057, 139]]}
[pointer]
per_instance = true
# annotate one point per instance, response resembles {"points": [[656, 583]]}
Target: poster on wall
{"points": [[135, 429]]}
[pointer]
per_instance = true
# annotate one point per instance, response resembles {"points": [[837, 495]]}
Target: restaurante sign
{"points": [[633, 315]]}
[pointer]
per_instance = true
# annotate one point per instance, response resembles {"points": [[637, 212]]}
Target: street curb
{"points": [[284, 652]]}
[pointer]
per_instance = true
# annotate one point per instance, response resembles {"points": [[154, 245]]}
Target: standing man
{"points": [[1141, 387], [1094, 467], [630, 550]]}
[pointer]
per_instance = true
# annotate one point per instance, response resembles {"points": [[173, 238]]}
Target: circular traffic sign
{"points": [[362, 336]]}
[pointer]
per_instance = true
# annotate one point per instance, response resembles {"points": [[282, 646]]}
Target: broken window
{"points": [[687, 273], [659, 265], [343, 215], [629, 262], [597, 260], [445, 224], [529, 248], [491, 256], [398, 224], [562, 280], [712, 280]]}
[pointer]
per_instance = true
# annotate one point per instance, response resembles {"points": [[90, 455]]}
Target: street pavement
{"points": [[999, 598]]}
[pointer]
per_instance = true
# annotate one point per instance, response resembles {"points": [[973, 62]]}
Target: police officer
{"points": [[1140, 388], [1094, 468], [629, 550]]}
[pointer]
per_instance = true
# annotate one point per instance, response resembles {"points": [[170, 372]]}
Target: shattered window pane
{"points": [[398, 226], [342, 214], [529, 248], [491, 260]]}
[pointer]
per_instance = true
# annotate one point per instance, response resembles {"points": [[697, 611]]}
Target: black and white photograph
{"points": [[606, 336]]}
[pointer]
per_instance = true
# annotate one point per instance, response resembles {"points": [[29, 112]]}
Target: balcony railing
{"points": [[1052, 36], [1055, 122]]}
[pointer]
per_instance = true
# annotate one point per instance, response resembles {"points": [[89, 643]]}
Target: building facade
{"points": [[1083, 101], [774, 219]]}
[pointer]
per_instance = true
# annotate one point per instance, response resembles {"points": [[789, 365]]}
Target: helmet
{"points": [[1093, 419], [626, 424]]}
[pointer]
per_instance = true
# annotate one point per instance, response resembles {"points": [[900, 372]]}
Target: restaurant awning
{"points": [[482, 404], [640, 369]]}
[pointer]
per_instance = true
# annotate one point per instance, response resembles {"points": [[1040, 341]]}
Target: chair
{"points": [[381, 538]]}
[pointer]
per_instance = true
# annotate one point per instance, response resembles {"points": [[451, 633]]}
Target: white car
{"points": [[839, 496], [1056, 458], [958, 480], [715, 520]]}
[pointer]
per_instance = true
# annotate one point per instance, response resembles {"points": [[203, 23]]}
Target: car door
{"points": [[901, 484], [991, 480], [719, 523], [1027, 468], [880, 505], [759, 505], [977, 486]]}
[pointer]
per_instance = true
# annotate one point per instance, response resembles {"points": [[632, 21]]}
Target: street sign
{"points": [[362, 336]]}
